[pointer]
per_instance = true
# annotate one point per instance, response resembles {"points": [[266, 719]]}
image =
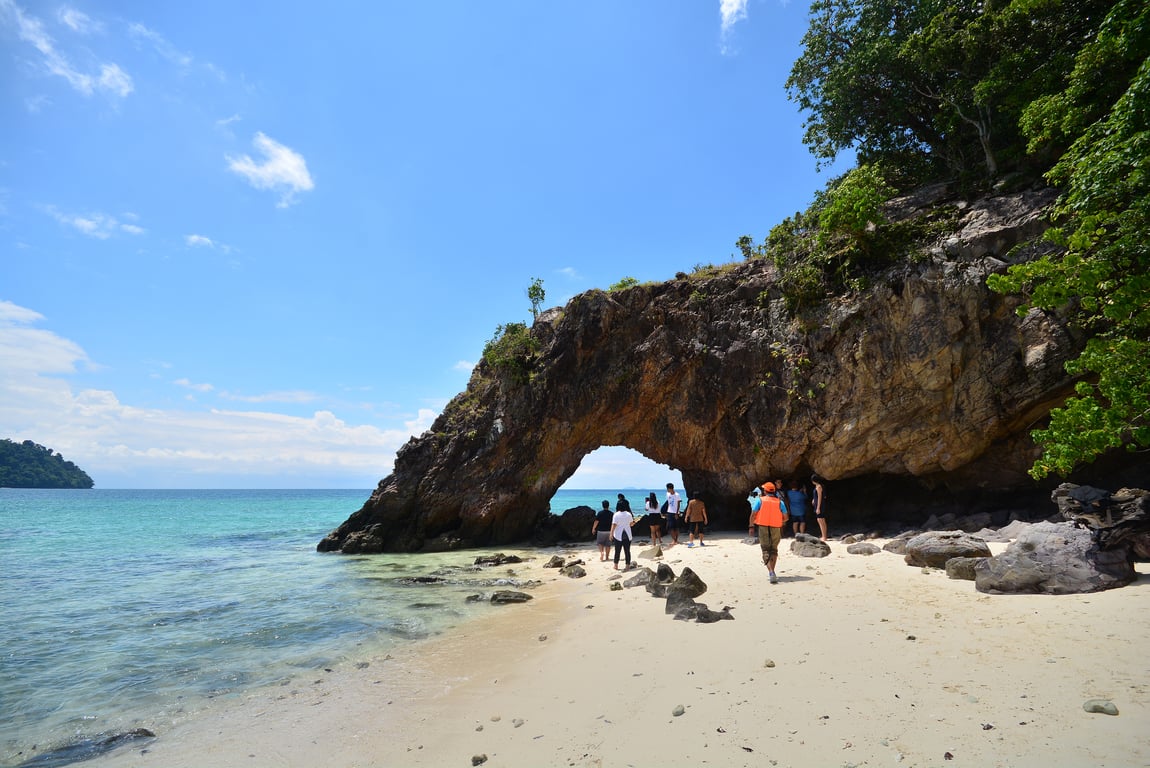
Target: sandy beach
{"points": [[850, 660]]}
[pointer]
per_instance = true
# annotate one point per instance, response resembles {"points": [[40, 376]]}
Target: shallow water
{"points": [[125, 608]]}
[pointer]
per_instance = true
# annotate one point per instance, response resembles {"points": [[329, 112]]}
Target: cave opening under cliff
{"points": [[619, 468]]}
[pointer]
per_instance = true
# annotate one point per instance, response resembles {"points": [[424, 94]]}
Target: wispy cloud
{"points": [[570, 273], [282, 170], [465, 366], [78, 21], [199, 240], [731, 12], [160, 44], [98, 225], [187, 384], [108, 78]]}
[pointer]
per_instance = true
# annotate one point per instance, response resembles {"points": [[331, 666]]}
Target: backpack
{"points": [[663, 509]]}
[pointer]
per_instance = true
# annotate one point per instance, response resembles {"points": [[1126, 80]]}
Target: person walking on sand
{"points": [[770, 519], [696, 518], [621, 524], [797, 503], [601, 530], [674, 501], [818, 503], [654, 518]]}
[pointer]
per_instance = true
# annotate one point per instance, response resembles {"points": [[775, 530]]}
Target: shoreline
{"points": [[850, 660]]}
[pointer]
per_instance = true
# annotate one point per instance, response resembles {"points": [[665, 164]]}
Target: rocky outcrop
{"points": [[934, 548], [1054, 559], [925, 376]]}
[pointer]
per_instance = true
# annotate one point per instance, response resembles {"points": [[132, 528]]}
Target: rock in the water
{"points": [[1054, 559], [504, 596], [85, 749], [863, 548], [498, 559], [554, 562], [933, 548], [805, 545], [962, 567]]}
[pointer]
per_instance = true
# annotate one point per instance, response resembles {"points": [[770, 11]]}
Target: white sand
{"points": [[874, 663]]}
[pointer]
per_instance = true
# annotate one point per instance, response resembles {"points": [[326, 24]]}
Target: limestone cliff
{"points": [[926, 379]]}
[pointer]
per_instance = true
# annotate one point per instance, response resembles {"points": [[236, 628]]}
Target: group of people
{"points": [[614, 528], [772, 508]]}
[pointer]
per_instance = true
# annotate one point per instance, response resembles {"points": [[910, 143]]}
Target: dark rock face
{"points": [[926, 380], [934, 548], [1054, 559], [1119, 520]]}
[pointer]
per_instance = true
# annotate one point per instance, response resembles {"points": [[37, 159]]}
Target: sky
{"points": [[262, 244]]}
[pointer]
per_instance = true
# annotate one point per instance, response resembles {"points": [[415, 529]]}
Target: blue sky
{"points": [[261, 244]]}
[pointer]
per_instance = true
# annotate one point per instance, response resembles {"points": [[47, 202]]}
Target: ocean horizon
{"points": [[134, 608]]}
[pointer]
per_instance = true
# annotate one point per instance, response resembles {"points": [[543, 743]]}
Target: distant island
{"points": [[28, 465]]}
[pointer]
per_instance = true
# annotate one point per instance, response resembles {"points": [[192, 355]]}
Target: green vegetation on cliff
{"points": [[28, 465], [991, 93]]}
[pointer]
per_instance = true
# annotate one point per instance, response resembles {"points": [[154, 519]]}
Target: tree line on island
{"points": [[988, 97], [30, 465]]}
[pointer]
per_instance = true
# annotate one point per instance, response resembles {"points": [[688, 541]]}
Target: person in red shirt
{"points": [[770, 519]]}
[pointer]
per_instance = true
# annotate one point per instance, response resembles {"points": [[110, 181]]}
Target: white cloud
{"points": [[78, 21], [732, 12], [111, 77], [570, 273], [199, 240], [192, 386], [160, 44], [465, 366], [98, 225], [122, 444], [283, 169], [224, 122]]}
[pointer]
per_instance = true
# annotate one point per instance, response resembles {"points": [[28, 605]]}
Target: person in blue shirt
{"points": [[798, 502]]}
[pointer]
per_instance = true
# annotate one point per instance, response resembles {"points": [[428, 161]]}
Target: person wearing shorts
{"points": [[696, 519], [770, 519], [601, 530]]}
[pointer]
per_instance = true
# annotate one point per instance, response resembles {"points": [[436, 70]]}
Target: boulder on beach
{"points": [[1054, 559]]}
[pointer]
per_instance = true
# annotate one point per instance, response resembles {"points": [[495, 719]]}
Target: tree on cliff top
{"points": [[933, 87], [28, 465], [1103, 225]]}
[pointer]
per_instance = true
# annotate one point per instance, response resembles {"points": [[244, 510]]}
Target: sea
{"points": [[126, 608]]}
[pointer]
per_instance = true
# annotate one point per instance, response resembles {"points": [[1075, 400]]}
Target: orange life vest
{"points": [[770, 513]]}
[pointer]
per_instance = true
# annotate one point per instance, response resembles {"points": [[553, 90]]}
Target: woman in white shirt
{"points": [[621, 534]]}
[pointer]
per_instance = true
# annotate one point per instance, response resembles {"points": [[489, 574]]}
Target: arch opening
{"points": [[610, 470]]}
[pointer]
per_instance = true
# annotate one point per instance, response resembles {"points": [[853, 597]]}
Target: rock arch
{"points": [[926, 375]]}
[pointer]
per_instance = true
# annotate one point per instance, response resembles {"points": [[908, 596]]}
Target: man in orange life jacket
{"points": [[770, 518]]}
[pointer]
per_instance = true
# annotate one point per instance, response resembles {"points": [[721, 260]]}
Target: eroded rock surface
{"points": [[925, 375]]}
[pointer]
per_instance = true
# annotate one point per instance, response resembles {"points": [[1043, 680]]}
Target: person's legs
{"points": [[618, 546], [700, 534], [769, 539], [627, 550], [822, 527]]}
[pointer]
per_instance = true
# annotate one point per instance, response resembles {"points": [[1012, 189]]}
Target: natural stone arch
{"points": [[926, 375]]}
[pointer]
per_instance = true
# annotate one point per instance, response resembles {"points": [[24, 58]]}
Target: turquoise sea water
{"points": [[122, 608]]}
